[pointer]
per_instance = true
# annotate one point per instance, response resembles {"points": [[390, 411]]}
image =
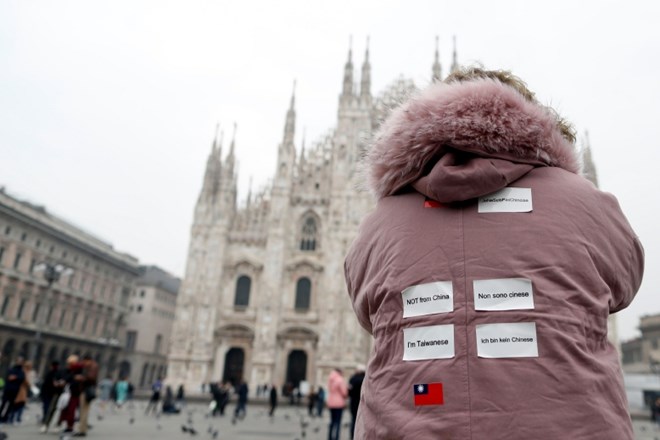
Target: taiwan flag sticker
{"points": [[428, 394], [430, 203]]}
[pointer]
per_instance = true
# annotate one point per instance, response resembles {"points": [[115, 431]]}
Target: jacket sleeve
{"points": [[622, 257], [356, 273]]}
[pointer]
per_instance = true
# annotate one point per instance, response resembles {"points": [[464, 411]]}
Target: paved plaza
{"points": [[131, 423], [290, 423]]}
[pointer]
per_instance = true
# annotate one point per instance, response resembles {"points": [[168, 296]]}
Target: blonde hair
{"points": [[507, 78]]}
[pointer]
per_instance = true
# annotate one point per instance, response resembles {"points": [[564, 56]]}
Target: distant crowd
{"points": [[67, 393]]}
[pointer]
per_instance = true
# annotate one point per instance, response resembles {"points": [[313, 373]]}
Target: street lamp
{"points": [[51, 273]]}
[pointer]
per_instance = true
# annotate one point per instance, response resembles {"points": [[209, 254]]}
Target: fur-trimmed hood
{"points": [[462, 140]]}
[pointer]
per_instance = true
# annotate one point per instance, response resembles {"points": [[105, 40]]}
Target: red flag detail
{"points": [[428, 394]]}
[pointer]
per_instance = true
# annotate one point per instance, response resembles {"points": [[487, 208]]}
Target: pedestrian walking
{"points": [[106, 391], [13, 380], [320, 401], [273, 400], [311, 402], [121, 392], [16, 410], [354, 391], [73, 376], [152, 406], [180, 397], [90, 372], [487, 271], [241, 405], [337, 393], [51, 388]]}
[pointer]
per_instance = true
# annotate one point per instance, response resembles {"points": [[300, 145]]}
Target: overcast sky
{"points": [[108, 108]]}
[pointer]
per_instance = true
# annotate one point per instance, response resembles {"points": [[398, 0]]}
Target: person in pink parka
{"points": [[487, 272], [336, 401]]}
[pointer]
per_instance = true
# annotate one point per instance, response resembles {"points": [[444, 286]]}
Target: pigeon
{"points": [[131, 420], [233, 420], [317, 429], [192, 431], [183, 428], [210, 430], [215, 434]]}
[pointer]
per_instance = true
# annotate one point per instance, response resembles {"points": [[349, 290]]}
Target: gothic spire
{"points": [[213, 171], [290, 124], [214, 147], [249, 197], [588, 166], [348, 71], [454, 62], [231, 158], [437, 69], [365, 90]]}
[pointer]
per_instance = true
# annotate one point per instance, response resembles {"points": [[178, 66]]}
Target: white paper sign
{"points": [[432, 342], [507, 200], [508, 340], [503, 294], [427, 299]]}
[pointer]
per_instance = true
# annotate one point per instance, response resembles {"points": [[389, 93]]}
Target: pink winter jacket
{"points": [[337, 390], [488, 323]]}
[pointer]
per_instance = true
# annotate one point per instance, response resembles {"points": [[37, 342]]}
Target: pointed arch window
{"points": [[308, 236], [242, 297], [303, 294]]}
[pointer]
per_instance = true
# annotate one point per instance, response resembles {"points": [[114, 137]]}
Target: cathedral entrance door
{"points": [[296, 369], [234, 361]]}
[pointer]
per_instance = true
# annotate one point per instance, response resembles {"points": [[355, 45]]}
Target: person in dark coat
{"points": [[241, 406], [51, 388], [311, 402], [273, 400], [180, 396], [320, 401], [354, 389], [13, 380], [168, 404]]}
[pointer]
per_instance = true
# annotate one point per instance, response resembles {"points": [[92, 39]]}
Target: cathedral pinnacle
{"points": [[214, 147], [588, 166], [213, 168], [454, 62], [365, 90], [290, 123], [231, 159], [437, 69], [348, 71]]}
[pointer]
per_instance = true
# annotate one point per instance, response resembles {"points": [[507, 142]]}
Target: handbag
{"points": [[90, 393], [63, 400]]}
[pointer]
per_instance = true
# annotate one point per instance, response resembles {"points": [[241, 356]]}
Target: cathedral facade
{"points": [[264, 299]]}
